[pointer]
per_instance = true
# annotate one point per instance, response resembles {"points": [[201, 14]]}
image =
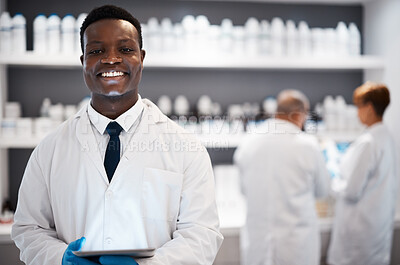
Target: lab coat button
{"points": [[109, 194], [108, 241]]}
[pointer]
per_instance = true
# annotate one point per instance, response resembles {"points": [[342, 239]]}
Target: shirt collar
{"points": [[125, 120], [281, 126]]}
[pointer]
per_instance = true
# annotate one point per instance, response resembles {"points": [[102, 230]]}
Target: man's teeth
{"points": [[112, 74]]}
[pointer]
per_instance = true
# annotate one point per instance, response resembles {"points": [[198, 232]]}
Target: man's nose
{"points": [[111, 58]]}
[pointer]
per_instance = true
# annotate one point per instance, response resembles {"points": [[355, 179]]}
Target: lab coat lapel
{"points": [[88, 142], [145, 135]]}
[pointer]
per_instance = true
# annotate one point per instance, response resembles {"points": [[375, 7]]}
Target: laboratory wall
{"points": [[382, 22], [375, 19], [30, 85]]}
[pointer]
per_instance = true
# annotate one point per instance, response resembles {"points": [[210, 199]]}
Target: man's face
{"points": [[112, 59], [364, 112]]}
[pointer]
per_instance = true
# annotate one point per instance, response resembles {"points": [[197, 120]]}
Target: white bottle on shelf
{"points": [[341, 107], [265, 38], [355, 40], [167, 35], [68, 34], [292, 39], [342, 39], [304, 39], [202, 31], [214, 34], [5, 32], [179, 35], [330, 42], [18, 33], [278, 37], [252, 33], [226, 39], [181, 106], [44, 109], [317, 35], [54, 34], [153, 35], [165, 105], [78, 24], [189, 26], [40, 34], [238, 40]]}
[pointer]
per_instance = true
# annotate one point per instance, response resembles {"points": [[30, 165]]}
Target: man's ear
{"points": [[142, 55], [81, 59]]}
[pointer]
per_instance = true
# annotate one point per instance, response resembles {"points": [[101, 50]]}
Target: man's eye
{"points": [[95, 51], [127, 50]]}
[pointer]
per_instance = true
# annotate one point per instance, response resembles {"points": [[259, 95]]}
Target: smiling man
{"points": [[119, 174]]}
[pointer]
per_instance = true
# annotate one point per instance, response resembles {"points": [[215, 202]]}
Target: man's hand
{"points": [[70, 259], [117, 260]]}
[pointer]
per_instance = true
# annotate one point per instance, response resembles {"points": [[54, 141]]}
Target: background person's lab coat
{"points": [[281, 171], [364, 212], [161, 195]]}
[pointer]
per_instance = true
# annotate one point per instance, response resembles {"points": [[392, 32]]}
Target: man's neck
{"points": [[374, 121], [113, 107]]}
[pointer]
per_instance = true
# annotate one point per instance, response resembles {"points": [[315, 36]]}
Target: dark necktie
{"points": [[112, 157]]}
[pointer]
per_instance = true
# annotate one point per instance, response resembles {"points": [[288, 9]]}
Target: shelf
{"points": [[19, 142], [210, 141], [32, 142], [5, 233], [180, 61], [297, 2]]}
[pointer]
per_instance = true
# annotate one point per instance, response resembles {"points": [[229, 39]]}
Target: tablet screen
{"points": [[135, 253]]}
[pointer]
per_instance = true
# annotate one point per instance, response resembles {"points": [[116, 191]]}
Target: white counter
{"points": [[5, 233], [231, 223]]}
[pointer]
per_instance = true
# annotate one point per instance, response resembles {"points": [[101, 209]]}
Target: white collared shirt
{"points": [[128, 120]]}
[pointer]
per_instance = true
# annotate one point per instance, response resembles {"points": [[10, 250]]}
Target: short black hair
{"points": [[111, 12], [375, 93]]}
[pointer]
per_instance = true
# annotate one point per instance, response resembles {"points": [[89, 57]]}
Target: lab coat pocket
{"points": [[161, 192]]}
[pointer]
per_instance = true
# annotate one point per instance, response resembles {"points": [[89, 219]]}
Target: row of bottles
{"points": [[51, 35], [332, 115], [54, 35], [12, 33], [206, 119], [51, 115], [195, 35]]}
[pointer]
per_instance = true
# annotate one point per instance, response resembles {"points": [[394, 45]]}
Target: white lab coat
{"points": [[364, 214], [282, 171], [161, 195]]}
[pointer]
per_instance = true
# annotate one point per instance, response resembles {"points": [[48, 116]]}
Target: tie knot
{"points": [[113, 129]]}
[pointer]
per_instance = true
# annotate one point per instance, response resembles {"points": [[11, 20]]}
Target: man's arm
{"points": [[197, 237], [322, 178], [355, 169], [34, 231]]}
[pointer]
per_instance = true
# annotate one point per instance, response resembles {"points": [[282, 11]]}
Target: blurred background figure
{"points": [[282, 171], [365, 209]]}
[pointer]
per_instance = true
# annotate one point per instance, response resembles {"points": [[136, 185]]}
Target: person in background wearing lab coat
{"points": [[365, 209], [161, 194], [282, 172]]}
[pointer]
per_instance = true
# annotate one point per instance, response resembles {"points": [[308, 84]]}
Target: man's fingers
{"points": [[77, 244], [117, 260], [82, 261]]}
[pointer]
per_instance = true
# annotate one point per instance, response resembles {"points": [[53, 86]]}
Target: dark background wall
{"points": [[30, 85]]}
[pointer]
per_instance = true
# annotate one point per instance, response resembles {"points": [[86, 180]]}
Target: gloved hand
{"points": [[117, 260], [70, 259]]}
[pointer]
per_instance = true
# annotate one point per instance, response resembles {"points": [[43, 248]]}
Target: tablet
{"points": [[135, 253]]}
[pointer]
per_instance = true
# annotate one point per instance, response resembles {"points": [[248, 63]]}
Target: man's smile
{"points": [[111, 74]]}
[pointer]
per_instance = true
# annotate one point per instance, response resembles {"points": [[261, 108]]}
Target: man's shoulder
{"points": [[163, 123], [61, 133]]}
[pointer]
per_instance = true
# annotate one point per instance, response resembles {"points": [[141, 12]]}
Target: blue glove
{"points": [[70, 259], [117, 260]]}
